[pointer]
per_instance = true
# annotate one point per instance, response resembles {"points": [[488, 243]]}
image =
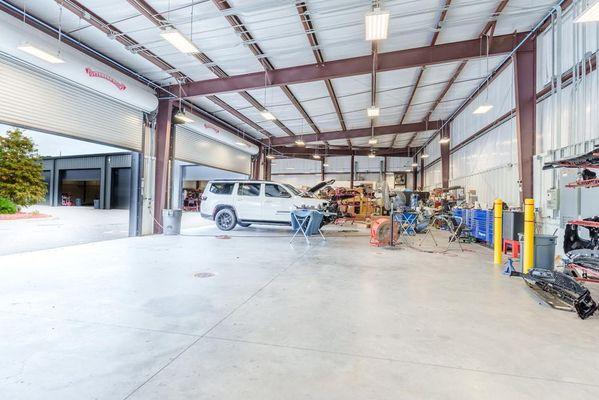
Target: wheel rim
{"points": [[225, 221]]}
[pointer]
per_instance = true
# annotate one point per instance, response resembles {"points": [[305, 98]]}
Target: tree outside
{"points": [[21, 174]]}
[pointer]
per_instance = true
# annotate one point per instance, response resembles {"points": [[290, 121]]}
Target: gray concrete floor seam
{"points": [[229, 314], [395, 360], [79, 321]]}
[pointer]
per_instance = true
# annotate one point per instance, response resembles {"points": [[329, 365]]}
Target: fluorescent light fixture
{"points": [[180, 42], [182, 118], [590, 14], [377, 24], [373, 111], [316, 156], [325, 164], [424, 155], [267, 115], [373, 141], [371, 154], [483, 109], [444, 140], [300, 142], [39, 53], [270, 156], [414, 164], [241, 144]]}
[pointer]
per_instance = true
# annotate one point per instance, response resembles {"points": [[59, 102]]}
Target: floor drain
{"points": [[203, 275]]}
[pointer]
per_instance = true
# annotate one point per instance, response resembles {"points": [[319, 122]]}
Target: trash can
{"points": [[97, 204], [171, 222], [78, 202], [544, 250]]}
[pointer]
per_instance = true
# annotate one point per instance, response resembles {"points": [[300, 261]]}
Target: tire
{"points": [[225, 219], [244, 224]]}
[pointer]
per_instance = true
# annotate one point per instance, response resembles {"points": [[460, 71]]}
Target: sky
{"points": [[54, 146]]}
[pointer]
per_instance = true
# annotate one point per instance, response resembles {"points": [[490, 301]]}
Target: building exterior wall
{"points": [[103, 162]]}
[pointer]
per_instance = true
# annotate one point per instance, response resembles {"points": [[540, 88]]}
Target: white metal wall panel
{"points": [[195, 148], [433, 149], [489, 165], [500, 94], [35, 100], [432, 177], [296, 165]]}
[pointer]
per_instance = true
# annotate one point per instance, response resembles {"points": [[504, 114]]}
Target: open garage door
{"points": [[199, 149], [38, 100]]}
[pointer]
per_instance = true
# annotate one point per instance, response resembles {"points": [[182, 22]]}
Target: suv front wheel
{"points": [[225, 219]]}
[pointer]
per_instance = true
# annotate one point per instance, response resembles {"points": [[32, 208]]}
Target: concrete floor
{"points": [[135, 319], [67, 226]]}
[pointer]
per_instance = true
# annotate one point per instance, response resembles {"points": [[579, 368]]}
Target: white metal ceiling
{"points": [[277, 29]]}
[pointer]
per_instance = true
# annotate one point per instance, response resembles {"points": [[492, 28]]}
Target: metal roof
{"points": [[239, 37]]}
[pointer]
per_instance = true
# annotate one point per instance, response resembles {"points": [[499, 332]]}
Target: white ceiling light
{"points": [[424, 155], [300, 142], [316, 156], [241, 144], [270, 156], [182, 118], [39, 53], [267, 115], [444, 140], [483, 109], [414, 164], [373, 111], [326, 164], [373, 141], [180, 42], [377, 24], [371, 154], [590, 14]]}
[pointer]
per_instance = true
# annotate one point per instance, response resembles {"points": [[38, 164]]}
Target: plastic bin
{"points": [[171, 222], [544, 250], [97, 204]]}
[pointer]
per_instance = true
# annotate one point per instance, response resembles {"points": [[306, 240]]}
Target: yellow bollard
{"points": [[497, 231], [528, 254]]}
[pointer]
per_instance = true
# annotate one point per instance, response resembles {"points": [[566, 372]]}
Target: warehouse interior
{"points": [[346, 199]]}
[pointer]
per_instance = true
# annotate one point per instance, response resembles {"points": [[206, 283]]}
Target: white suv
{"points": [[231, 202]]}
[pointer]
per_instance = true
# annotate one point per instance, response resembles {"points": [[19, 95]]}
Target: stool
{"points": [[514, 247]]}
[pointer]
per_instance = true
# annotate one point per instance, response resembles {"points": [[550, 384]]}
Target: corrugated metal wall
{"points": [[195, 148], [39, 101]]}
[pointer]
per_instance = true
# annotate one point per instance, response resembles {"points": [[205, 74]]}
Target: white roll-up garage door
{"points": [[198, 149], [39, 101]]}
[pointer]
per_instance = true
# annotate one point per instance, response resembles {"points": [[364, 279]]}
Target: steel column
{"points": [[163, 156], [445, 159], [421, 173], [526, 102], [352, 171]]}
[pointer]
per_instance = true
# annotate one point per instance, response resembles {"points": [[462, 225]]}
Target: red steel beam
{"points": [[401, 59], [344, 151], [526, 104], [247, 37], [358, 133], [157, 19], [490, 42], [421, 72], [104, 26]]}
